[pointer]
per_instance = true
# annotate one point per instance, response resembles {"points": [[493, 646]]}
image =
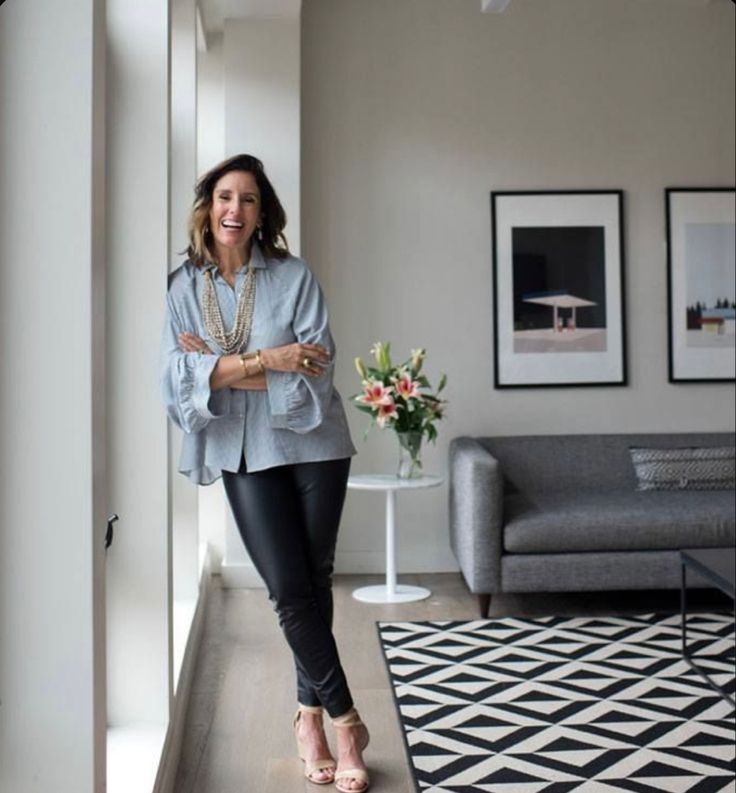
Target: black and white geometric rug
{"points": [[557, 704]]}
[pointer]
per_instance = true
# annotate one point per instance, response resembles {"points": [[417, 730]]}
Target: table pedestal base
{"points": [[391, 592], [381, 594]]}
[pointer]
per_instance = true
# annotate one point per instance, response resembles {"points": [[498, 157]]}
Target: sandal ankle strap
{"points": [[317, 710], [349, 719]]}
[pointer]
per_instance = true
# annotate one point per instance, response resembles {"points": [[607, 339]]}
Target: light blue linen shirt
{"points": [[296, 419]]}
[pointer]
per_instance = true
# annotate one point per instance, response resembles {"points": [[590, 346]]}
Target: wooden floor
{"points": [[238, 737]]}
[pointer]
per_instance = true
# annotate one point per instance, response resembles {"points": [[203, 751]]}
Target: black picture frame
{"points": [[558, 288], [701, 275]]}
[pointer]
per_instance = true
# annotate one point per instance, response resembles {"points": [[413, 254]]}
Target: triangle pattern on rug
{"points": [[564, 704]]}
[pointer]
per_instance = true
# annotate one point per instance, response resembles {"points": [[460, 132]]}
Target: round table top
{"points": [[392, 482]]}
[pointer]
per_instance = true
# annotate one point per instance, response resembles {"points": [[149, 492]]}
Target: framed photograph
{"points": [[701, 283], [558, 288]]}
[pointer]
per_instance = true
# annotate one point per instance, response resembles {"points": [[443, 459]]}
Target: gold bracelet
{"points": [[250, 356], [243, 359]]}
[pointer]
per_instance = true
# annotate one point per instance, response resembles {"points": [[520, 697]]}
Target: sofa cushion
{"points": [[618, 521], [689, 468], [572, 463]]}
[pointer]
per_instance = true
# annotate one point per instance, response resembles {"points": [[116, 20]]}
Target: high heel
{"points": [[352, 719], [326, 765]]}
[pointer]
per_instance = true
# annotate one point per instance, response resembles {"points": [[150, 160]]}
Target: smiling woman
{"points": [[234, 214], [240, 181], [247, 363]]}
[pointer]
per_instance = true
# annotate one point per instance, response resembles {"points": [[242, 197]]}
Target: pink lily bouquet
{"points": [[399, 397]]}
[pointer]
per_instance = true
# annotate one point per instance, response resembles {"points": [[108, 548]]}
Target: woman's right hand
{"points": [[190, 342], [308, 359]]}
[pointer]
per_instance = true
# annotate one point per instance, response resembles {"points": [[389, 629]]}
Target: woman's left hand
{"points": [[308, 359], [190, 342]]}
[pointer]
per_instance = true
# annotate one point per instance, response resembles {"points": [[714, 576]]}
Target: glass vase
{"points": [[410, 455]]}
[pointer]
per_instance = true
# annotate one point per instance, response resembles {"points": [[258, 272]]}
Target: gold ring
{"points": [[306, 363]]}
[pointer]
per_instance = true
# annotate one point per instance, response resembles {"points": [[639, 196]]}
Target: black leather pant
{"points": [[288, 517]]}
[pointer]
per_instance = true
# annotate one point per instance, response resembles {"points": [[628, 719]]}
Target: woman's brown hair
{"points": [[273, 218]]}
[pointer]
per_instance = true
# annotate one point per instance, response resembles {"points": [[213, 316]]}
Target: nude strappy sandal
{"points": [[352, 719], [313, 766]]}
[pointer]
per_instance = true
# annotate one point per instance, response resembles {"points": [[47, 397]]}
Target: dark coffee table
{"points": [[718, 567]]}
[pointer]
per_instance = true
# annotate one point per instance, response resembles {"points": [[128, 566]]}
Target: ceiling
{"points": [[215, 12]]}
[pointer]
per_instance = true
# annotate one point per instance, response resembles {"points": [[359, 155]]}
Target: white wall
{"points": [[262, 74], [52, 488], [412, 113], [210, 105]]}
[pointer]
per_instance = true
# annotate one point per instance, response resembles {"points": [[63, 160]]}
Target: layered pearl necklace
{"points": [[237, 338]]}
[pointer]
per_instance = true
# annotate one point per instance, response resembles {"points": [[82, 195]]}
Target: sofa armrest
{"points": [[476, 514]]}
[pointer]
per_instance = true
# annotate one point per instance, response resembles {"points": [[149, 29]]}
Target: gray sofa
{"points": [[562, 513]]}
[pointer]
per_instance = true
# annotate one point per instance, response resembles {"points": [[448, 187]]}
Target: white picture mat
{"points": [[552, 368], [696, 363]]}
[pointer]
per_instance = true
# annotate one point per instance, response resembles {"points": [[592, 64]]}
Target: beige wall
{"points": [[412, 112]]}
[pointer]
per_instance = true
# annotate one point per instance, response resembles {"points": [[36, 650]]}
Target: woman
{"points": [[247, 374]]}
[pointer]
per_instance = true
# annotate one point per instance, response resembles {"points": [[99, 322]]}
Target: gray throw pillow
{"points": [[691, 468]]}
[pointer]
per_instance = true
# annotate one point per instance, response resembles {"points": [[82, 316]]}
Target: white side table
{"points": [[391, 592]]}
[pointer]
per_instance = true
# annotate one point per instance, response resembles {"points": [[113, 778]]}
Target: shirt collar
{"points": [[257, 260], [256, 256]]}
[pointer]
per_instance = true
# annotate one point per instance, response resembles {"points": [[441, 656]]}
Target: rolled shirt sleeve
{"points": [[298, 402], [185, 379]]}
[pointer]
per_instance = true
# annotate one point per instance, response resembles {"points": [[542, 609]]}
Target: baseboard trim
{"points": [[244, 576], [240, 576], [374, 563]]}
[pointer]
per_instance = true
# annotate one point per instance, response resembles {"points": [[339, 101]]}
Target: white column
{"points": [[52, 488], [184, 496], [262, 117], [210, 151], [139, 569], [183, 122]]}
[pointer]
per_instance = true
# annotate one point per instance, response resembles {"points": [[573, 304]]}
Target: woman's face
{"points": [[236, 210]]}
